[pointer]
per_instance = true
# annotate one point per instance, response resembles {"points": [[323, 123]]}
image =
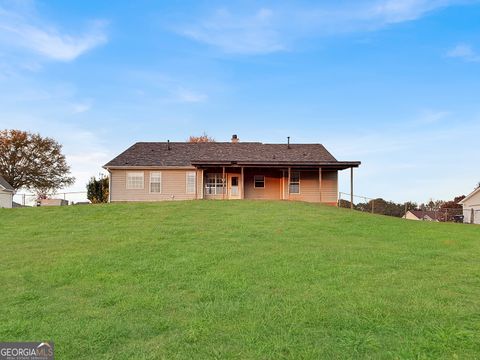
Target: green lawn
{"points": [[240, 280]]}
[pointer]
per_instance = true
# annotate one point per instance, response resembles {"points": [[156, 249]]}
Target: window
{"points": [[135, 180], [155, 182], [214, 184], [295, 182], [259, 181], [190, 181]]}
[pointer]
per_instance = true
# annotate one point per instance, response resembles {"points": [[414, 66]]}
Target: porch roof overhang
{"points": [[334, 165]]}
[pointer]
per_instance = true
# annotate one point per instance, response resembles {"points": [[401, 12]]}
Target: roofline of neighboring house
{"points": [[423, 213], [4, 185], [411, 212], [461, 202], [3, 188]]}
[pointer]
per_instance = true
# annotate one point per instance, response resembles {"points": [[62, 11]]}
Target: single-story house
{"points": [[6, 194], [471, 207], [154, 171], [424, 215]]}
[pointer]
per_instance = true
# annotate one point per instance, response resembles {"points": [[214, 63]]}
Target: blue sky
{"points": [[394, 84]]}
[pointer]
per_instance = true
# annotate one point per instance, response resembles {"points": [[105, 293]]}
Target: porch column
{"points": [[288, 183], [242, 194], [203, 185], [224, 183], [196, 184], [320, 183], [351, 188]]}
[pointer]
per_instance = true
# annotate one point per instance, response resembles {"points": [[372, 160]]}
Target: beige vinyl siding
{"points": [[309, 188], [329, 186], [173, 186], [271, 191]]}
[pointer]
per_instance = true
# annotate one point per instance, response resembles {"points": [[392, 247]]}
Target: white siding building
{"points": [[471, 207], [6, 194]]}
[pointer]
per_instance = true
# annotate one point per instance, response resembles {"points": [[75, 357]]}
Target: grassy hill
{"points": [[244, 280]]}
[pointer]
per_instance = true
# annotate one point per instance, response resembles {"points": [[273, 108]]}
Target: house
{"points": [[471, 207], [6, 194], [154, 171], [424, 215]]}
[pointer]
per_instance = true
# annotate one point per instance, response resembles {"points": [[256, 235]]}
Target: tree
{"points": [[201, 139], [33, 162], [453, 204], [97, 190], [381, 206]]}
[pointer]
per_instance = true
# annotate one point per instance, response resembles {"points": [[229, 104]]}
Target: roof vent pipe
{"points": [[288, 142], [168, 144]]}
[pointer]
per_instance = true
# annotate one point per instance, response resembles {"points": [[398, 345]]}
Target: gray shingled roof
{"points": [[5, 184], [187, 154]]}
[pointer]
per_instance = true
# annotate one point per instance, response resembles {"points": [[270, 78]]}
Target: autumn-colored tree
{"points": [[201, 139], [97, 190], [453, 204], [33, 162]]}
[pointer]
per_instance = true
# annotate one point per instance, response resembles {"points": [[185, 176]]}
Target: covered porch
{"points": [[270, 182]]}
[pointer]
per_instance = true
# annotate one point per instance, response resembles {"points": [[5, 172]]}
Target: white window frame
{"points": [[159, 173], [129, 185], [255, 181], [192, 190], [209, 185], [294, 183]]}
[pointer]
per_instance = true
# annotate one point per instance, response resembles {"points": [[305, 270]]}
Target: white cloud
{"points": [[465, 52], [411, 160], [432, 116], [394, 11], [81, 107], [29, 32], [238, 34], [264, 31], [189, 96]]}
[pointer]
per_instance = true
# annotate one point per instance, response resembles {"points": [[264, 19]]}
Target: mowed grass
{"points": [[238, 280]]}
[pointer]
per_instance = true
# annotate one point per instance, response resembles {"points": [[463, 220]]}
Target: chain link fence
{"points": [[407, 210]]}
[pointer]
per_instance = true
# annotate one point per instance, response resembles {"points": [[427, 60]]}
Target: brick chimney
{"points": [[235, 139]]}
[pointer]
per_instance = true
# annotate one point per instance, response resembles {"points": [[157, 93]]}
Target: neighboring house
{"points": [[6, 194], [423, 215], [471, 207], [154, 171]]}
